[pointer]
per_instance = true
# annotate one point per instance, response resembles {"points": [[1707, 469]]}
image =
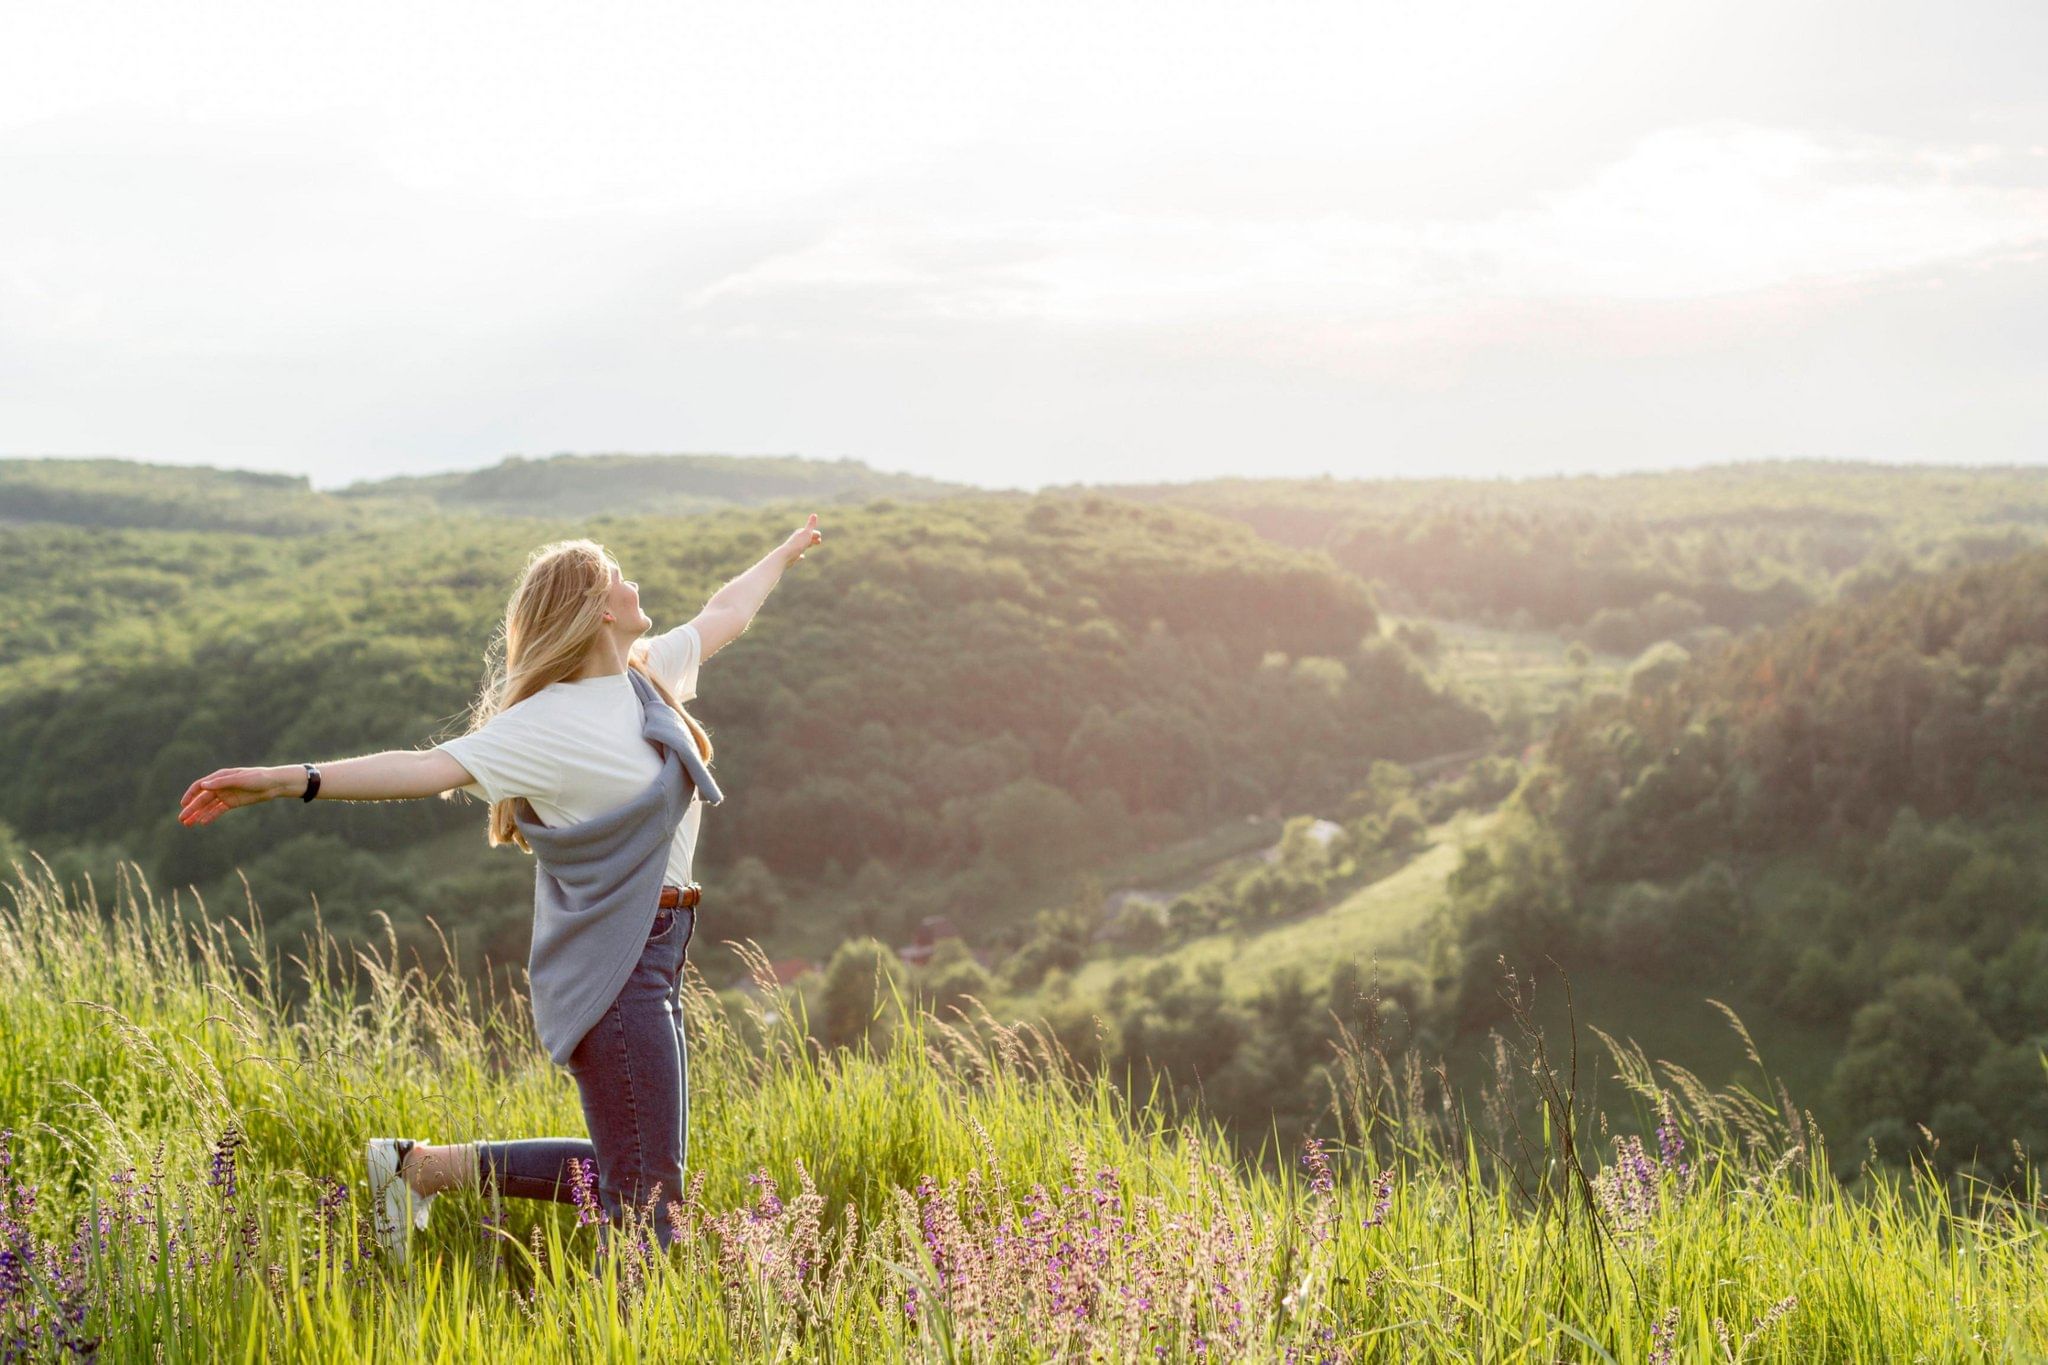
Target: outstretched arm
{"points": [[729, 610], [391, 776]]}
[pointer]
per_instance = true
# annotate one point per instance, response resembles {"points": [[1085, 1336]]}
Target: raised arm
{"points": [[395, 775], [729, 609]]}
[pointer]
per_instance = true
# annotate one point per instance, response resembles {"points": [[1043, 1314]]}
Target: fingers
{"points": [[196, 791], [209, 809], [198, 809], [213, 796]]}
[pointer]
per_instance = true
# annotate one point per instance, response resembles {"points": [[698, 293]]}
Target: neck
{"points": [[607, 656]]}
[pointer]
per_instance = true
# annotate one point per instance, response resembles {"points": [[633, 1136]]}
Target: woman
{"points": [[590, 763]]}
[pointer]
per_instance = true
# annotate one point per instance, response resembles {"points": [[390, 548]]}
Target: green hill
{"points": [[108, 493], [130, 493], [637, 485]]}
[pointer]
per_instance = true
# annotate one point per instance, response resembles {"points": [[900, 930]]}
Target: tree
{"points": [[1031, 828], [749, 900], [1512, 899], [1418, 638], [1056, 941], [1302, 854], [862, 981], [1405, 825], [1909, 1050], [951, 978], [1656, 667]]}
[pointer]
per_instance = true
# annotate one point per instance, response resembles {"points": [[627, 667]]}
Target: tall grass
{"points": [[181, 1182]]}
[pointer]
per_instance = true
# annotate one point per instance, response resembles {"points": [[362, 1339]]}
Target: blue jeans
{"points": [[632, 1069]]}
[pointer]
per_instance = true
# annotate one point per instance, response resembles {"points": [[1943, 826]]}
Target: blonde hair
{"points": [[554, 616]]}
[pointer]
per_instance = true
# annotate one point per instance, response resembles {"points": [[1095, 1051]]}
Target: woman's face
{"points": [[623, 602]]}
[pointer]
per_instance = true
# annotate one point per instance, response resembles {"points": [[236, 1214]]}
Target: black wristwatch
{"points": [[312, 781]]}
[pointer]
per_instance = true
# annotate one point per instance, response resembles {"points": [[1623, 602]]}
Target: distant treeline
{"points": [[1622, 562], [130, 493]]}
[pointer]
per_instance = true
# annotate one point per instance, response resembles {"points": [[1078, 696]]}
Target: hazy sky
{"points": [[1022, 243]]}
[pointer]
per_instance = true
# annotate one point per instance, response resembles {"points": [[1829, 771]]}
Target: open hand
{"points": [[223, 789], [803, 538]]}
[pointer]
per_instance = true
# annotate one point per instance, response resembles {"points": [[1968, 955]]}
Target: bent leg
{"points": [[534, 1168]]}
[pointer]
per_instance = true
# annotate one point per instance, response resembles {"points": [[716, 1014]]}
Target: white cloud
{"points": [[1747, 223]]}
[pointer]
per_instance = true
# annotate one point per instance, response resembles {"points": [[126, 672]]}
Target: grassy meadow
{"points": [[183, 1184]]}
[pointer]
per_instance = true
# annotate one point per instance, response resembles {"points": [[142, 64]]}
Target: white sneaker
{"points": [[393, 1202]]}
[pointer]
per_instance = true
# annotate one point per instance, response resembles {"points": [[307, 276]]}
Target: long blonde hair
{"points": [[552, 619]]}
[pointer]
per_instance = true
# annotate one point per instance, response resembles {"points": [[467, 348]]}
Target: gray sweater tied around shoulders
{"points": [[596, 883]]}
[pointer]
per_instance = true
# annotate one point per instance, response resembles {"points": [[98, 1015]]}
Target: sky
{"points": [[1018, 244]]}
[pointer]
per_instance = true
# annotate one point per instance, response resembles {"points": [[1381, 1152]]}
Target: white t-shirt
{"points": [[574, 749]]}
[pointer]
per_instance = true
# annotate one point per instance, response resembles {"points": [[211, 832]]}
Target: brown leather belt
{"points": [[686, 896]]}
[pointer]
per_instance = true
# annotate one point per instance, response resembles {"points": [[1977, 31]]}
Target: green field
{"points": [[1382, 919], [1503, 668], [956, 1198]]}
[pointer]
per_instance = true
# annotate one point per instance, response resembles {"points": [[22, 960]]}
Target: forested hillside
{"points": [[1842, 817], [952, 707]]}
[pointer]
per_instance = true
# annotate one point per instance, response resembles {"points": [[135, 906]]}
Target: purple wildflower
{"points": [[222, 1174], [1629, 1189], [1671, 1144], [1663, 1336], [768, 1203], [1382, 1199], [1322, 1181], [583, 1186]]}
